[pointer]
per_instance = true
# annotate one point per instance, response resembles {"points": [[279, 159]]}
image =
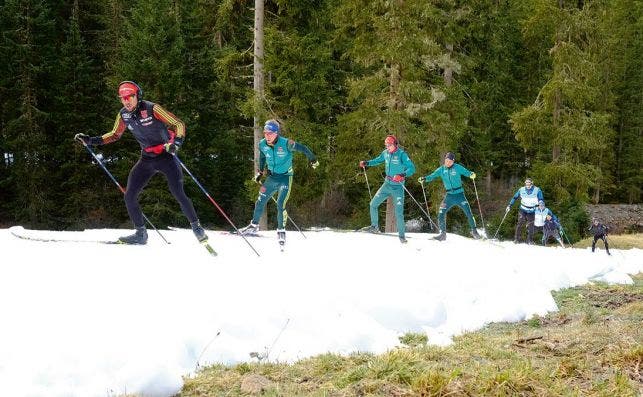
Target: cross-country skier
{"points": [[529, 196], [599, 231], [451, 174], [398, 167], [160, 134], [552, 228], [275, 161]]}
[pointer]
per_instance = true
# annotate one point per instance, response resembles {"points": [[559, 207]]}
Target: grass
{"points": [[590, 347], [618, 241]]}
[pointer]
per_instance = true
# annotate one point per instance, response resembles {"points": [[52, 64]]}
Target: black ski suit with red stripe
{"points": [[149, 124]]}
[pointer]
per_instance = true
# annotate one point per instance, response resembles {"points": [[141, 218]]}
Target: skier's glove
{"points": [[314, 164], [421, 180], [257, 177], [84, 138], [507, 209], [173, 147], [473, 175], [87, 140], [363, 164]]}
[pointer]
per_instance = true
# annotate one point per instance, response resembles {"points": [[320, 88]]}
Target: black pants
{"points": [[528, 218], [601, 237], [140, 175]]}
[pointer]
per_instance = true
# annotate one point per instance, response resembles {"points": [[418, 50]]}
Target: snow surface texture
{"points": [[87, 319]]}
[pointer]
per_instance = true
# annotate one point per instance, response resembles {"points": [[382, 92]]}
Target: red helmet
{"points": [[391, 139], [127, 88]]}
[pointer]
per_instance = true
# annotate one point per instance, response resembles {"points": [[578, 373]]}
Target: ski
{"points": [[209, 248], [16, 232], [234, 233]]}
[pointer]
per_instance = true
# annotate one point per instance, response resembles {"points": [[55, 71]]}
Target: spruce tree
{"points": [[406, 56]]}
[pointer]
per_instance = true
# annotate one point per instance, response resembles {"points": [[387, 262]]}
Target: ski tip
{"points": [[209, 248]]}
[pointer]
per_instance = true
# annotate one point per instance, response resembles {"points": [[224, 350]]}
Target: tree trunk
{"points": [[555, 152], [258, 90], [448, 70], [394, 103]]}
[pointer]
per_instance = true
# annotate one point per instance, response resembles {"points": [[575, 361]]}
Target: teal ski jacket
{"points": [[396, 163], [278, 156], [451, 177]]}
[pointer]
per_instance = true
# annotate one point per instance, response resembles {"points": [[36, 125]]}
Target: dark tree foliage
{"points": [[541, 88]]}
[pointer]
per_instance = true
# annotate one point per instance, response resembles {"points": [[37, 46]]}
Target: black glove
{"points": [[173, 147], [257, 177], [84, 138]]}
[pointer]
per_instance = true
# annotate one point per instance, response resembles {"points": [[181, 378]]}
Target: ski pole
{"points": [[565, 234], [213, 202], [501, 222], [479, 206], [100, 163], [367, 184], [419, 206], [426, 204]]}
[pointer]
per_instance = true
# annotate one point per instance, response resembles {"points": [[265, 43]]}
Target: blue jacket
{"points": [[529, 198], [451, 177], [396, 163], [541, 216], [278, 156], [552, 224]]}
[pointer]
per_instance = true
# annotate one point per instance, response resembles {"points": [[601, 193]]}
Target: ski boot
{"points": [[281, 235], [370, 229], [441, 237], [403, 240], [249, 230], [199, 232], [475, 235], [140, 237]]}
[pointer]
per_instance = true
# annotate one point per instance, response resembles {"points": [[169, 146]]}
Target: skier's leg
{"points": [[266, 191], [282, 198], [530, 227], [138, 177], [398, 200], [519, 224], [174, 175], [594, 243], [381, 195], [607, 247]]}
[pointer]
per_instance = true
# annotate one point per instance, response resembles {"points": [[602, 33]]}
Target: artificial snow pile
{"points": [[89, 319]]}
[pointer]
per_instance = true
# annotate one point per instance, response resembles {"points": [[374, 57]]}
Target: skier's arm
{"points": [[262, 161], [299, 147], [514, 198], [540, 195], [435, 174], [463, 171], [116, 132], [376, 161], [173, 122], [410, 167]]}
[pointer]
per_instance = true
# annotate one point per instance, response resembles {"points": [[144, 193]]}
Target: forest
{"points": [[546, 89]]}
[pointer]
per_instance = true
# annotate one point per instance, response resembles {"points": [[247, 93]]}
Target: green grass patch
{"points": [[617, 241], [590, 347]]}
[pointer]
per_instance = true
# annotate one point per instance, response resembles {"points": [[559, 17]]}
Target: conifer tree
{"points": [[567, 128], [27, 49], [406, 56]]}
